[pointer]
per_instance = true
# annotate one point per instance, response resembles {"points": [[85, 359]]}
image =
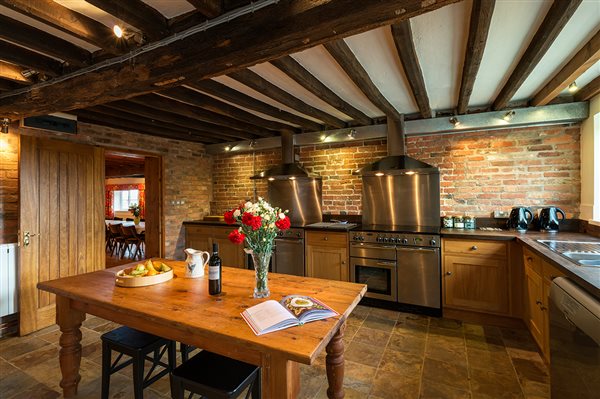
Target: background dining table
{"points": [[181, 309], [139, 228]]}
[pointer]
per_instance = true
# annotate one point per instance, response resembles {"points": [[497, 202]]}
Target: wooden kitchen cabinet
{"points": [[202, 237], [476, 276], [327, 255]]}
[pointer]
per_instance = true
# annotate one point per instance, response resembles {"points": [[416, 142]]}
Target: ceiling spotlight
{"points": [[379, 174], [253, 143], [292, 177], [352, 134], [4, 125], [118, 31], [573, 87], [323, 137], [271, 179], [509, 115], [27, 73], [227, 148], [454, 121]]}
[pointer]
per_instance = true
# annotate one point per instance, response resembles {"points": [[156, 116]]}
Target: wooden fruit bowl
{"points": [[124, 280]]}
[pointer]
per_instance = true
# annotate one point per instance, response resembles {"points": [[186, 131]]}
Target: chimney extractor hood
{"points": [[288, 169], [396, 163]]}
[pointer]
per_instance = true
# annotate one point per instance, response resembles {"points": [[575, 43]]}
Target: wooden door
{"points": [[327, 262], [153, 212], [231, 254], [62, 212], [534, 297], [476, 283], [198, 237]]}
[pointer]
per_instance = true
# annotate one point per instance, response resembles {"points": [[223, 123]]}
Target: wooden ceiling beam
{"points": [[222, 49], [481, 19], [219, 90], [557, 17], [68, 21], [342, 54], [403, 39], [209, 8], [138, 14], [36, 39], [122, 120], [261, 85], [191, 117], [30, 59], [13, 72], [221, 108], [9, 84], [294, 70], [589, 90], [581, 62]]}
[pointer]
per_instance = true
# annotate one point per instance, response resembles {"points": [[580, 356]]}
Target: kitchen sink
{"points": [[584, 253]]}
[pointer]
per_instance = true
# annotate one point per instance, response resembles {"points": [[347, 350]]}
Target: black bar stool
{"points": [[215, 377], [138, 346]]}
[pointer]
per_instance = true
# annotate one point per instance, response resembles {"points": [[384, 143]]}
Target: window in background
{"points": [[124, 198]]}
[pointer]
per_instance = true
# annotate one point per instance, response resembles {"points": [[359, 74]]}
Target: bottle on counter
{"points": [[459, 222], [469, 222], [448, 222], [214, 272]]}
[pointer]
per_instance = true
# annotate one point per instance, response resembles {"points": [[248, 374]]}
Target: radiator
{"points": [[8, 279]]}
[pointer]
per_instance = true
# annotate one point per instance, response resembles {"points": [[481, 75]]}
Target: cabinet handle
{"points": [[343, 262], [448, 273], [543, 308], [538, 302], [326, 238], [474, 248], [529, 259]]}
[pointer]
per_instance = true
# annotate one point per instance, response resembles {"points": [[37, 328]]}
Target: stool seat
{"points": [[131, 338], [214, 376]]}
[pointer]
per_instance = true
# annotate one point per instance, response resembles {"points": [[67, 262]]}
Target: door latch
{"points": [[27, 238]]}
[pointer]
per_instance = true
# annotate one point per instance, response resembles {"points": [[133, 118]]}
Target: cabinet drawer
{"points": [[326, 238], [487, 248], [532, 261]]}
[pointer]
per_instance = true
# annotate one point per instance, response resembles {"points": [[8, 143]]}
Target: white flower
{"points": [[267, 217], [248, 205], [236, 213], [272, 225], [282, 215]]}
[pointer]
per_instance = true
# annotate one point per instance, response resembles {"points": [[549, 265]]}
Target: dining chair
{"points": [[117, 218], [131, 241], [128, 219], [117, 238]]}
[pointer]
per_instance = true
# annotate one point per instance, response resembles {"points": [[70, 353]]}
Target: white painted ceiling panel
{"points": [[584, 23], [234, 84], [284, 82], [514, 23], [170, 8], [376, 52], [440, 39], [93, 12], [321, 65]]}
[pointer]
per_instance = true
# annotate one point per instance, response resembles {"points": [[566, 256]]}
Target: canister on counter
{"points": [[469, 222], [448, 222], [459, 222]]}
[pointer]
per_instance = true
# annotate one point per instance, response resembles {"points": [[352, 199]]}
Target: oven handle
{"points": [[356, 244], [389, 264], [417, 249]]}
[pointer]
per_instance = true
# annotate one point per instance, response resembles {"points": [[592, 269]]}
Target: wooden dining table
{"points": [[181, 309], [139, 228]]}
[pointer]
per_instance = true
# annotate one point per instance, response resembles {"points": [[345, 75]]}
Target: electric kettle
{"points": [[519, 219], [549, 220]]}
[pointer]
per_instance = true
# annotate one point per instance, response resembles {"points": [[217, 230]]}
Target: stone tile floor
{"points": [[388, 355]]}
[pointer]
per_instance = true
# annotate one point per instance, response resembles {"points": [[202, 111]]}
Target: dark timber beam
{"points": [[297, 72], [481, 18], [8, 84], [242, 42], [557, 17], [198, 116], [342, 54], [66, 20], [219, 90], [131, 122], [589, 90], [581, 62], [224, 110], [256, 82], [209, 8], [30, 59], [136, 13], [36, 39], [13, 72], [402, 34]]}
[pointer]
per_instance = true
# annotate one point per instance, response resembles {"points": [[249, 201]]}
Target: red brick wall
{"points": [[9, 187], [480, 171]]}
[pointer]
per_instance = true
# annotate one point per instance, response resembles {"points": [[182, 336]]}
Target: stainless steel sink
{"points": [[584, 253]]}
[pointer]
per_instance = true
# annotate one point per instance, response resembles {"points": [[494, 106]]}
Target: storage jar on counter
{"points": [[469, 222], [459, 222], [448, 222]]}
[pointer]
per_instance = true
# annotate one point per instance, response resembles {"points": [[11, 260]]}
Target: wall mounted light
{"points": [[4, 125], [323, 137], [573, 87], [509, 115], [379, 174], [271, 179], [252, 143], [227, 148], [118, 31], [292, 177], [352, 134], [454, 121]]}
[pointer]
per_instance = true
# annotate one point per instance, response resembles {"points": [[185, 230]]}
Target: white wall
{"points": [[590, 174]]}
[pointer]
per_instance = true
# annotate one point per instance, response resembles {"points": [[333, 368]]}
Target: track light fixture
{"points": [[4, 125], [118, 31], [454, 121], [252, 143], [509, 115], [573, 87], [352, 134]]}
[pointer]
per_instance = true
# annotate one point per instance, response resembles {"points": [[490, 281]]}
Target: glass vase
{"points": [[261, 262]]}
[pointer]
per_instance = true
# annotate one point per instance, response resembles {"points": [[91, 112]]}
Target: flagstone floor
{"points": [[388, 355]]}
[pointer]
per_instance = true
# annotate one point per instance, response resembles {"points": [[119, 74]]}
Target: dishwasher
{"points": [[574, 341]]}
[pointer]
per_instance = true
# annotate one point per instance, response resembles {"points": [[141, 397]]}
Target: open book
{"points": [[293, 310]]}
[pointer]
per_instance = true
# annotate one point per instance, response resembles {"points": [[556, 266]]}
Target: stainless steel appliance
{"points": [[584, 253], [574, 341], [288, 254], [398, 266]]}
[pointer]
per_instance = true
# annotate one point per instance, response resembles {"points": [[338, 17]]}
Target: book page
{"points": [[306, 308], [266, 315]]}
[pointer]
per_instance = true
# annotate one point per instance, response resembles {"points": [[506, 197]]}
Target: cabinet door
{"points": [[198, 237], [327, 262], [476, 283], [534, 298]]}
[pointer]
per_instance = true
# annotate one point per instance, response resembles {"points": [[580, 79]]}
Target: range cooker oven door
{"points": [[419, 276], [288, 257], [378, 275]]}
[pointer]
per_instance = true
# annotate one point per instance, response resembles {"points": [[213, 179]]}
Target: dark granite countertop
{"points": [[207, 222]]}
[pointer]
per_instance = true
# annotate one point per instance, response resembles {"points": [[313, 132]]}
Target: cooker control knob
{"points": [[392, 240], [379, 239], [386, 239], [432, 242], [361, 238], [404, 241]]}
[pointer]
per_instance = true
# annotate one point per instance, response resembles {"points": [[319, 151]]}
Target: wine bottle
{"points": [[214, 272]]}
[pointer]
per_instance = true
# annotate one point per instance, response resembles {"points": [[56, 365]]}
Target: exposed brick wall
{"points": [[480, 171], [9, 187], [186, 174]]}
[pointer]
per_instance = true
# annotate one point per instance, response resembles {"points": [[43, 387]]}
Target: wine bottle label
{"points": [[213, 272]]}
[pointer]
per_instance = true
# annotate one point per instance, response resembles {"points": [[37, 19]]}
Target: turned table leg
{"points": [[69, 321], [334, 362]]}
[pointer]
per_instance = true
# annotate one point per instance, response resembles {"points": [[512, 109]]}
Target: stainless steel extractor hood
{"points": [[396, 162], [288, 169]]}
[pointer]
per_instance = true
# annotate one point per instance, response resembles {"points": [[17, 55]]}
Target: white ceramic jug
{"points": [[195, 262]]}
